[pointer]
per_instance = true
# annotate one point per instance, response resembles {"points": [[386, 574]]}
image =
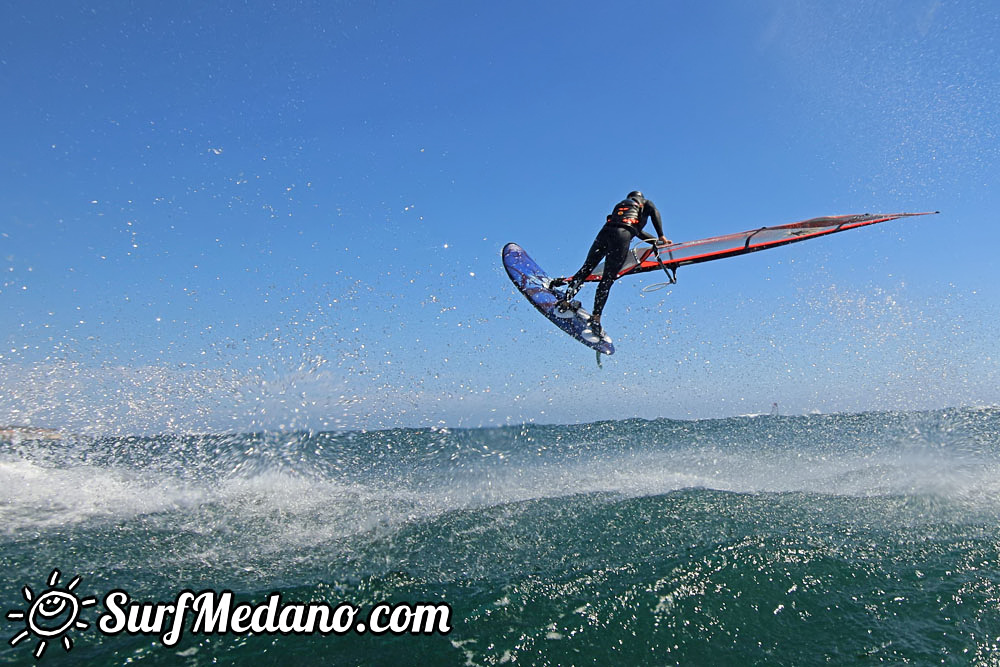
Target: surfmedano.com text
{"points": [[216, 613]]}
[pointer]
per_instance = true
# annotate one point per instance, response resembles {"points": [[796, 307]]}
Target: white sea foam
{"points": [[35, 496], [275, 505]]}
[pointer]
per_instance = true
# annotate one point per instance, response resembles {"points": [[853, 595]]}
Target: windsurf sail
{"points": [[646, 258]]}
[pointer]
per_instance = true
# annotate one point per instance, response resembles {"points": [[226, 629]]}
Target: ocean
{"points": [[773, 540]]}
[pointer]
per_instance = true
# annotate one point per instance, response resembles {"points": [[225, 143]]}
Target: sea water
{"points": [[843, 539]]}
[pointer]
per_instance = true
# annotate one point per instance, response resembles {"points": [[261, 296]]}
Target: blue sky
{"points": [[289, 215]]}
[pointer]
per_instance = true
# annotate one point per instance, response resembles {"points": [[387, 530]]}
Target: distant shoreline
{"points": [[29, 433]]}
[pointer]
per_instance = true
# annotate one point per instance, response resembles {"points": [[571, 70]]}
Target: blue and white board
{"points": [[533, 283]]}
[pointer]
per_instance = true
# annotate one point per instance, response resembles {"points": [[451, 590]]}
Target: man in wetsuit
{"points": [[612, 245]]}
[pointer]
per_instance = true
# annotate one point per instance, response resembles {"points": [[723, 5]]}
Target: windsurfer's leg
{"points": [[594, 256], [601, 297], [616, 256]]}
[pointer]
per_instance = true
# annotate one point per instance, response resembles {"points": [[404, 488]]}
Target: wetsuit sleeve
{"points": [[654, 214]]}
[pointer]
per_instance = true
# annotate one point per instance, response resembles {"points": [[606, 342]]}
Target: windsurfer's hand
{"points": [[663, 240]]}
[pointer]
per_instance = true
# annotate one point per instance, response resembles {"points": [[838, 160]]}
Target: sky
{"points": [[252, 215]]}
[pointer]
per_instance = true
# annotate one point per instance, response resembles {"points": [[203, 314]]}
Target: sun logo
{"points": [[51, 615]]}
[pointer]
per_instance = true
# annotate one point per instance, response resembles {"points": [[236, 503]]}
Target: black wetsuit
{"points": [[626, 221]]}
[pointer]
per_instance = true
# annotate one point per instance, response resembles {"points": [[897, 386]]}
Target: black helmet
{"points": [[635, 194]]}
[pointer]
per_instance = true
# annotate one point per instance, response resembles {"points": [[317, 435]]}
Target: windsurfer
{"points": [[626, 221]]}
